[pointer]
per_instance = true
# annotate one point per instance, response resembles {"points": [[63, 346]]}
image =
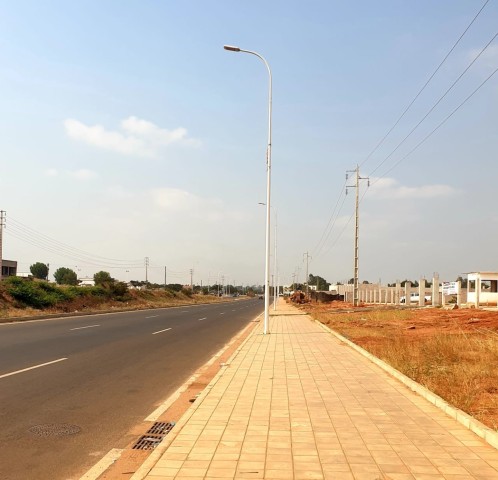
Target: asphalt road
{"points": [[102, 374]]}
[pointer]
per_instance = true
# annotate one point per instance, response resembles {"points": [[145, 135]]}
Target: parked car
{"points": [[261, 297], [414, 298]]}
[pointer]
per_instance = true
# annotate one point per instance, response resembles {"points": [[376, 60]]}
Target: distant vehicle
{"points": [[261, 297], [414, 297]]}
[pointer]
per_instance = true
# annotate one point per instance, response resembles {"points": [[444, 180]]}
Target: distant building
{"points": [[86, 282], [9, 268], [482, 288]]}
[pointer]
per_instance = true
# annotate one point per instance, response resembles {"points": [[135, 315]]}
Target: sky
{"points": [[128, 132]]}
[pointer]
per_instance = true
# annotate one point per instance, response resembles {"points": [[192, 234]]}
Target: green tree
{"points": [[39, 270], [66, 276], [101, 278], [321, 283]]}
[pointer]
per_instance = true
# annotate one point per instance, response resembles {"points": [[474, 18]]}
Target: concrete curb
{"points": [[487, 434], [154, 457]]}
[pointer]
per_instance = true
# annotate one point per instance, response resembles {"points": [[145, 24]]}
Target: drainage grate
{"points": [[148, 442], [161, 428], [154, 436]]}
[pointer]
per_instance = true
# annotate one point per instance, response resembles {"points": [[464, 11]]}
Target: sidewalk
{"points": [[300, 404]]}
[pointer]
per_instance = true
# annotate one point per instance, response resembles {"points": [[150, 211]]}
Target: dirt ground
{"points": [[453, 352], [426, 321]]}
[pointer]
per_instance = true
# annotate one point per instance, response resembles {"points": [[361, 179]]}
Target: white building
{"points": [[482, 288]]}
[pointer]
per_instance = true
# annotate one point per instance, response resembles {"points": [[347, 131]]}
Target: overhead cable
{"points": [[424, 86]]}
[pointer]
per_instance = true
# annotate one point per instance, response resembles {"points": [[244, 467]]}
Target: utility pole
{"points": [[2, 224], [192, 279], [165, 279], [307, 256], [146, 270], [357, 230]]}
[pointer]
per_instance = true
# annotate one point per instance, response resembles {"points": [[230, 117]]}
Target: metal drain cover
{"points": [[54, 430], [148, 442], [161, 428], [154, 436]]}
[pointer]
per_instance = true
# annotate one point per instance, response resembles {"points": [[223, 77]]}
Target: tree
{"points": [[66, 276], [39, 270], [321, 283], [413, 284], [101, 278]]}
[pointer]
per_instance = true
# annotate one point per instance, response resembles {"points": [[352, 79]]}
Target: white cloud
{"points": [[51, 172], [176, 200], [390, 188], [138, 137], [83, 174], [118, 192], [488, 57]]}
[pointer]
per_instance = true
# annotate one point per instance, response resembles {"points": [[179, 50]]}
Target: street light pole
{"points": [[268, 186]]}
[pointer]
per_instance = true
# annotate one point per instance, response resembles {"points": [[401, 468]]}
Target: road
{"points": [[101, 375]]}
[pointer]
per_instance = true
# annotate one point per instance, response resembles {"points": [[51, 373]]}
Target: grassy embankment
{"points": [[24, 298], [460, 364]]}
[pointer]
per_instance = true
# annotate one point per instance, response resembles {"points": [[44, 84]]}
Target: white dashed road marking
{"points": [[32, 368], [81, 328], [161, 331]]}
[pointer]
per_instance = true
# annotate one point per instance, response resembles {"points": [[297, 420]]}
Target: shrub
{"points": [[31, 294], [119, 291]]}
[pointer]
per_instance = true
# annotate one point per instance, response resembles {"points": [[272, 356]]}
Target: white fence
{"points": [[437, 294]]}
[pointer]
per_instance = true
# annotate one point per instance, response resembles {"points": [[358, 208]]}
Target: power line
{"points": [[424, 86], [318, 247], [29, 235], [438, 126], [435, 105]]}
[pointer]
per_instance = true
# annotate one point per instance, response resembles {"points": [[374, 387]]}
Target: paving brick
{"points": [[301, 404]]}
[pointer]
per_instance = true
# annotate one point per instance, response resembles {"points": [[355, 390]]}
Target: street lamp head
{"points": [[231, 49]]}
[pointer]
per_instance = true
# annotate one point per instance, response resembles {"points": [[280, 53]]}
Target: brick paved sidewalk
{"points": [[300, 404]]}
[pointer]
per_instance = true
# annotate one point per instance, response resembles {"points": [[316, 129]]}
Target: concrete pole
{"points": [[459, 293], [421, 292], [478, 291], [408, 291], [435, 290]]}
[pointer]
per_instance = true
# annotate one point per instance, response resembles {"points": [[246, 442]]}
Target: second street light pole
{"points": [[268, 187]]}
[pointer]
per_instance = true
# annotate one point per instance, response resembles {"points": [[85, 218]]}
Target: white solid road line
{"points": [[161, 331], [98, 469], [205, 318], [153, 316], [81, 328], [32, 368]]}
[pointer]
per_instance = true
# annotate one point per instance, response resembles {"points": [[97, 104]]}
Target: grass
{"points": [[23, 298], [459, 365]]}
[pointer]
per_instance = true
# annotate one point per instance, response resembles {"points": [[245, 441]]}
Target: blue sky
{"points": [[127, 131]]}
